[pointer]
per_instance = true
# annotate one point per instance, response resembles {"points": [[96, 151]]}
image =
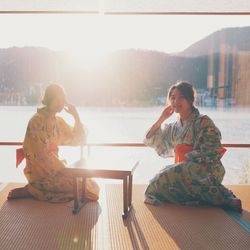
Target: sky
{"points": [[96, 35]]}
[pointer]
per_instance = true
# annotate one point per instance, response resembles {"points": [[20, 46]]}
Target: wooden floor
{"points": [[30, 224]]}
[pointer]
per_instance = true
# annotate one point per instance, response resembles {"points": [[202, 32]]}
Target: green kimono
{"points": [[197, 180]]}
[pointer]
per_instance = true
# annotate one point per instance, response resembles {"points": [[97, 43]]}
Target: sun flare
{"points": [[89, 46], [88, 58]]}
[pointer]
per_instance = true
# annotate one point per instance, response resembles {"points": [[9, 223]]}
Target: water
{"points": [[126, 124]]}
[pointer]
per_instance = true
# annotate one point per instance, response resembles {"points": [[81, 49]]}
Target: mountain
{"points": [[127, 77], [234, 38], [20, 67]]}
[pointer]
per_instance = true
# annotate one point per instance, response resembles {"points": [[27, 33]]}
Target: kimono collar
{"points": [[194, 114], [42, 111]]}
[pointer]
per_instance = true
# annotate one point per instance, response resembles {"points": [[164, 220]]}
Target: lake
{"points": [[127, 124]]}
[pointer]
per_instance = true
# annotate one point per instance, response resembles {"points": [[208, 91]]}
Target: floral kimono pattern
{"points": [[196, 180], [44, 170]]}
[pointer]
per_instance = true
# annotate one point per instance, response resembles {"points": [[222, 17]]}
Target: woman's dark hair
{"points": [[186, 89]]}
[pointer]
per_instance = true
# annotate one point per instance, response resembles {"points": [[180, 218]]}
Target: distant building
{"points": [[160, 100], [229, 76], [12, 98], [241, 87], [204, 99]]}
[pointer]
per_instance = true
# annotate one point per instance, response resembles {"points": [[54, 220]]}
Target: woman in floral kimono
{"points": [[196, 176], [45, 132]]}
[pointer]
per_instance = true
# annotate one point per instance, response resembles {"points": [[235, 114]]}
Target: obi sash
{"points": [[182, 149], [20, 153]]}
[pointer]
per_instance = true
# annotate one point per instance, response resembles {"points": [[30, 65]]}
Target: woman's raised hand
{"points": [[71, 109], [167, 112]]}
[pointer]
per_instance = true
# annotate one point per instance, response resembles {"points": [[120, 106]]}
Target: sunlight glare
{"points": [[91, 45], [88, 58], [94, 35], [75, 240]]}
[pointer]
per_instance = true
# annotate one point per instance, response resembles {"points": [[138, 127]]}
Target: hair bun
{"points": [[51, 92]]}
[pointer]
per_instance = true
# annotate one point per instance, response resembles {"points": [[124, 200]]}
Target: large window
{"points": [[117, 61]]}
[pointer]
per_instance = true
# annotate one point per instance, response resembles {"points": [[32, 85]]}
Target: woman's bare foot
{"points": [[18, 193]]}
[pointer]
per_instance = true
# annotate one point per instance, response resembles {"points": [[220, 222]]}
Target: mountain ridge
{"points": [[234, 37], [133, 75]]}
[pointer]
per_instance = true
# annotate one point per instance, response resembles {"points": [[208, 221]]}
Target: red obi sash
{"points": [[182, 149], [20, 153]]}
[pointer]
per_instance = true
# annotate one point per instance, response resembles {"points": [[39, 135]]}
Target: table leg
{"points": [[125, 197], [75, 190], [83, 188], [130, 181], [78, 204]]}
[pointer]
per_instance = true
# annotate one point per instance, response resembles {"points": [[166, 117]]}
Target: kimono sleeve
{"points": [[161, 141], [207, 143], [71, 135]]}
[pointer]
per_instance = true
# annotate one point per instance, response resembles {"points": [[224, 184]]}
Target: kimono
{"points": [[195, 179], [44, 170]]}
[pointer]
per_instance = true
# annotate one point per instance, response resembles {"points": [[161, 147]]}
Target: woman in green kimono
{"points": [[196, 176], [45, 172]]}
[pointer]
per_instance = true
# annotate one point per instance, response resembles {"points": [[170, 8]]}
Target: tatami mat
{"points": [[29, 224], [174, 227], [243, 191]]}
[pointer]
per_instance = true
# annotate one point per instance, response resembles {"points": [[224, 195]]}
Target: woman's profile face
{"points": [[178, 102]]}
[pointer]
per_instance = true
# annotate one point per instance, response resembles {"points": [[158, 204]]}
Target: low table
{"points": [[122, 169]]}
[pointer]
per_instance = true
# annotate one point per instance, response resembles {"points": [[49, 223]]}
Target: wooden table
{"points": [[122, 169]]}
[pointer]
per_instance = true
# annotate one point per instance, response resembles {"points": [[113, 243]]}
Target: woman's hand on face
{"points": [[71, 109], [167, 112]]}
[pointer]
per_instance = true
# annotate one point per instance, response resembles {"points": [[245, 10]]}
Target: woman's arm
{"points": [[160, 139], [72, 135], [167, 112], [71, 109]]}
